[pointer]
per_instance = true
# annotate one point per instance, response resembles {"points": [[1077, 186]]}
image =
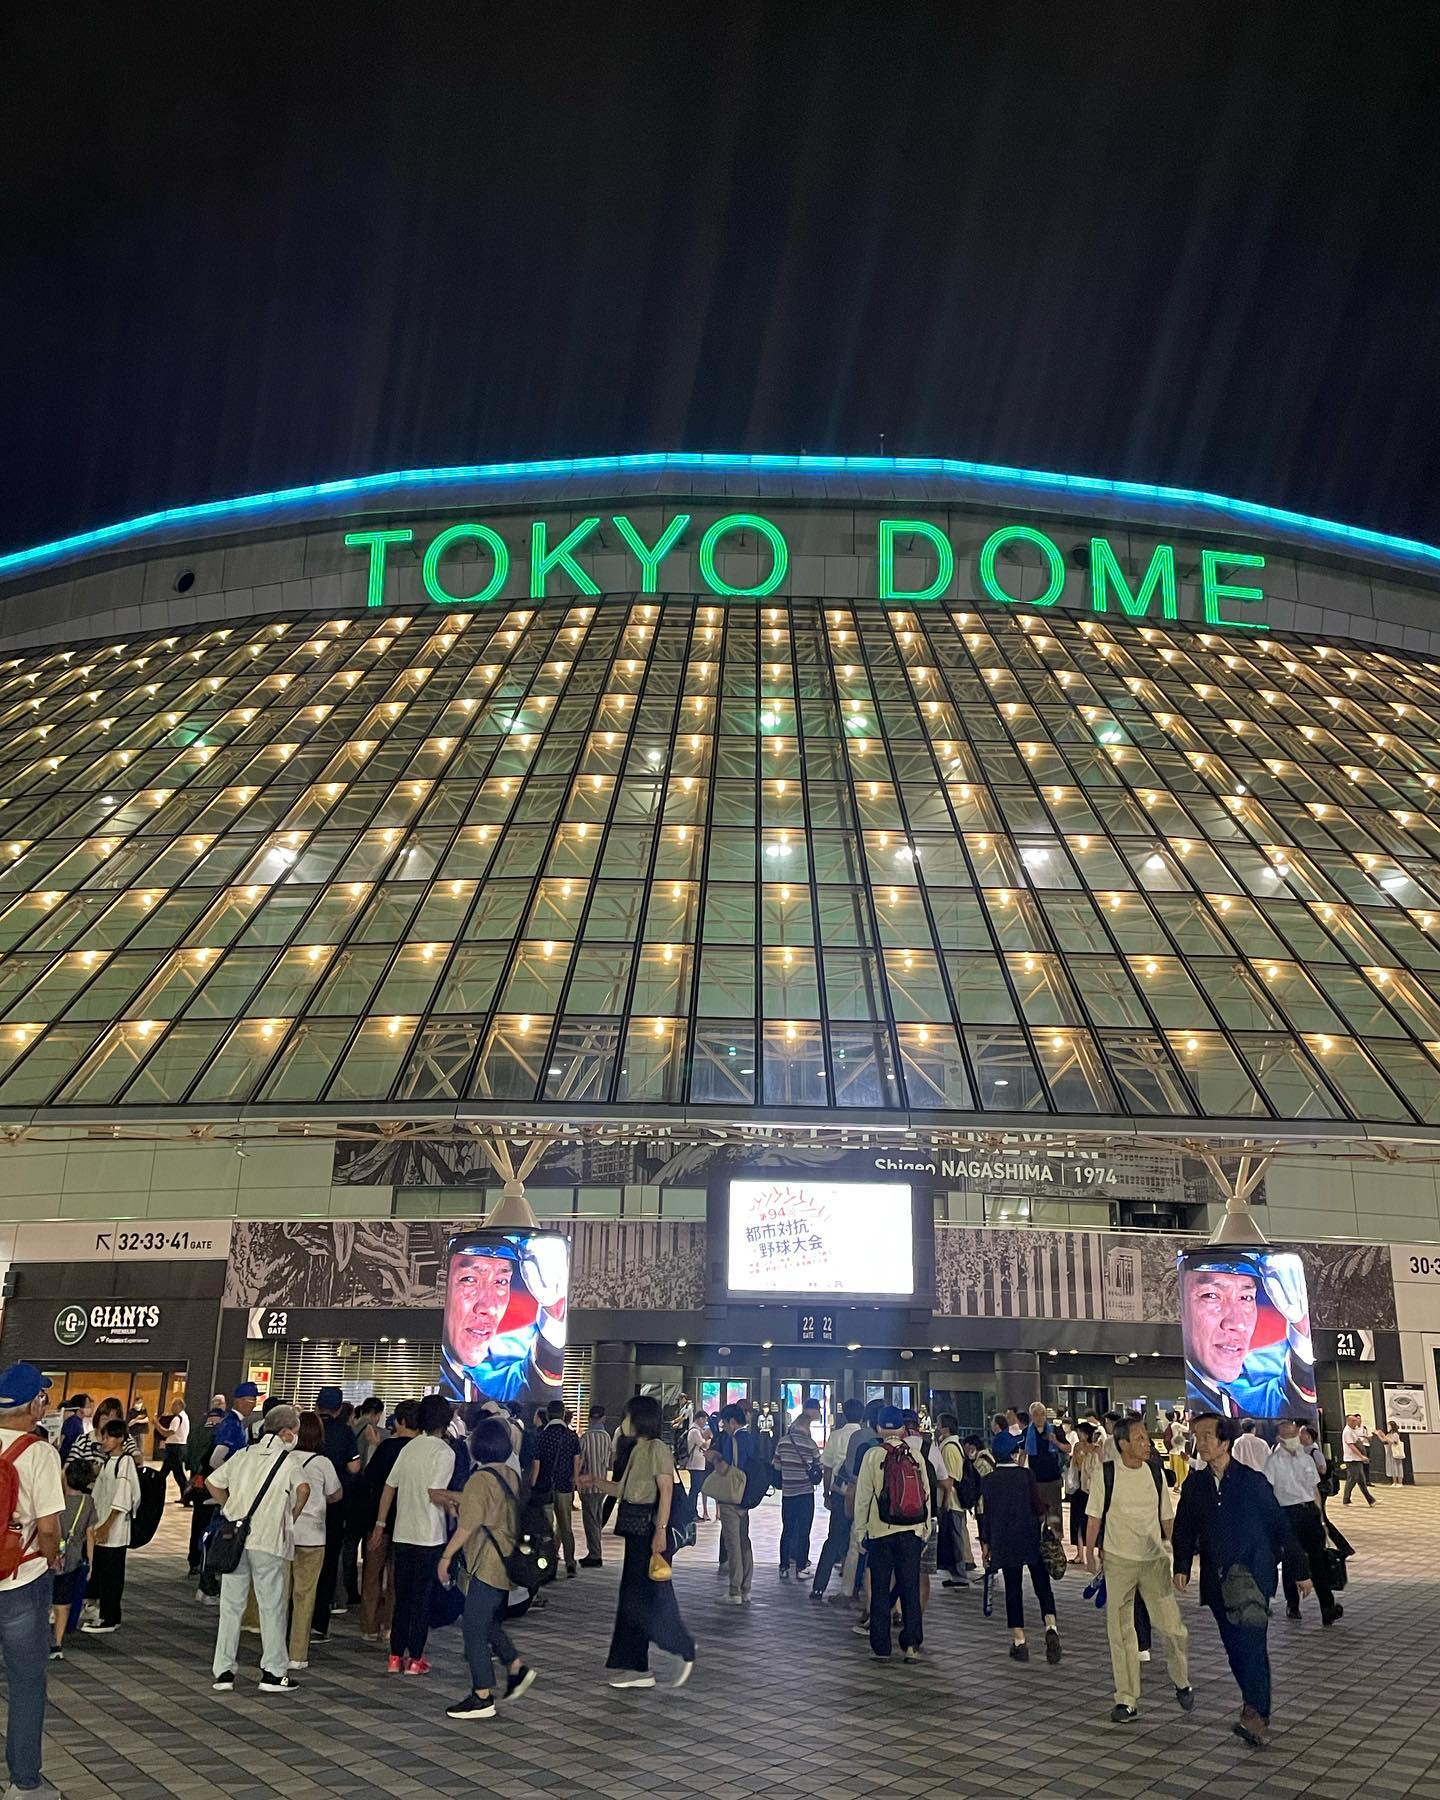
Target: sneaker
{"points": [[1292, 1612], [591, 1562], [912, 1655], [956, 1581], [417, 1665], [683, 1673], [631, 1678], [224, 1684], [861, 1628], [338, 1612], [277, 1684], [516, 1685], [1019, 1653], [1336, 1612], [884, 1659], [57, 1654], [1124, 1715], [785, 1572], [473, 1706], [1252, 1728], [1185, 1699], [323, 1637], [395, 1665], [736, 1599], [1052, 1646], [1144, 1656], [297, 1667], [98, 1630], [571, 1570]]}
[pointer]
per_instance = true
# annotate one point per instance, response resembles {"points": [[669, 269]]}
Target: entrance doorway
{"points": [[716, 1393], [794, 1394], [158, 1390], [891, 1393]]}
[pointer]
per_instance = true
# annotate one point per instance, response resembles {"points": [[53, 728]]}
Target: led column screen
{"points": [[1245, 1315], [505, 1315]]}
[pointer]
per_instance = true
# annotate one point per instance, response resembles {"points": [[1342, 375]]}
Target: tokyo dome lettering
{"points": [[1016, 565]]}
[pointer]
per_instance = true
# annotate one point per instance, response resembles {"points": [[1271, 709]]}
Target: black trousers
{"points": [[330, 1568], [797, 1515], [647, 1613], [1310, 1530], [415, 1566], [895, 1564], [108, 1581], [172, 1462], [201, 1513], [1015, 1593]]}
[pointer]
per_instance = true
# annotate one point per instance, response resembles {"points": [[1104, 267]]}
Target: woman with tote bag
{"points": [[647, 1611]]}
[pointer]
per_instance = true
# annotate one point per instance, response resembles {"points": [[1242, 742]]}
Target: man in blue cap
{"points": [[1221, 1293], [233, 1432], [479, 1361], [31, 1502]]}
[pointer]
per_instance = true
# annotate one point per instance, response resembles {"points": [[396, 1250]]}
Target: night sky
{"points": [[246, 247]]}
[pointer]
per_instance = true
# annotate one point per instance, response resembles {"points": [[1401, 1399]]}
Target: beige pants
{"points": [[1151, 1580], [304, 1578], [377, 1591], [739, 1557]]}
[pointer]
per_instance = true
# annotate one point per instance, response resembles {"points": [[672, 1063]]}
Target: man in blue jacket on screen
{"points": [[1221, 1291]]}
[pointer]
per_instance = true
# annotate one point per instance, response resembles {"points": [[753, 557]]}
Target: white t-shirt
{"points": [[37, 1476], [179, 1427], [1353, 1442], [241, 1478], [424, 1463], [697, 1440], [117, 1489], [317, 1469], [1132, 1525], [836, 1445], [1251, 1450]]}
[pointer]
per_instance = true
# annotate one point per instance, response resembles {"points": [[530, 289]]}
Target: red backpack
{"points": [[14, 1546], [904, 1497]]}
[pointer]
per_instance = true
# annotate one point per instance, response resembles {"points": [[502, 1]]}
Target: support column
{"points": [[1017, 1378], [614, 1379]]}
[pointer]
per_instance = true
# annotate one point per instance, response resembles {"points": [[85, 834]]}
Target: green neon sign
{"points": [[554, 563], [1021, 534]]}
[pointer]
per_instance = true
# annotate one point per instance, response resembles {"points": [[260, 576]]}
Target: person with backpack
{"points": [[647, 1611], [960, 1492], [77, 1551], [31, 1504], [117, 1500], [1134, 1506], [892, 1519], [1045, 1457], [484, 1541], [1010, 1521]]}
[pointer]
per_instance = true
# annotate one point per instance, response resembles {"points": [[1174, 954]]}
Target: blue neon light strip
{"points": [[1327, 533]]}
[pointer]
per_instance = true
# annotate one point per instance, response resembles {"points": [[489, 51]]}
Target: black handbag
{"points": [[633, 1518], [226, 1544]]}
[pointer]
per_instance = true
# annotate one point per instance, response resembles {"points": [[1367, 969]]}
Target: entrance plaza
{"points": [[784, 1699]]}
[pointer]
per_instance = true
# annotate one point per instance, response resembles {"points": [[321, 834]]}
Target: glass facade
{"points": [[656, 851]]}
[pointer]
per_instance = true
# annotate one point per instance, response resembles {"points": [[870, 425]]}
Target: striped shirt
{"points": [[595, 1452]]}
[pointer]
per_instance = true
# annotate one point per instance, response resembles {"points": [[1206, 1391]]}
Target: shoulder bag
{"points": [[226, 1544], [725, 1484]]}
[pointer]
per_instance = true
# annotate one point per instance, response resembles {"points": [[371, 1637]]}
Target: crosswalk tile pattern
{"points": [[784, 1700]]}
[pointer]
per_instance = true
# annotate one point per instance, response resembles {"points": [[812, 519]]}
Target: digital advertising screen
{"points": [[1245, 1320], [820, 1237], [505, 1323]]}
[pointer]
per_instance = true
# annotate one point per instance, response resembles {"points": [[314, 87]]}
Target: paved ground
{"points": [[783, 1702]]}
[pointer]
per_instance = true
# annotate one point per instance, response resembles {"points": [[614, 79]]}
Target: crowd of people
{"points": [[425, 1513]]}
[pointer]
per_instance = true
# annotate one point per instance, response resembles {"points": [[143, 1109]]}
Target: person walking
{"points": [[595, 1453], [1233, 1520], [1355, 1453], [1082, 1475], [484, 1536], [308, 1537], [176, 1426], [29, 1553], [1295, 1478], [421, 1527], [892, 1520], [117, 1496], [797, 1456], [1010, 1538], [265, 1485], [954, 1554], [735, 1449], [647, 1611], [1136, 1510], [832, 1467], [560, 1458], [377, 1585]]}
